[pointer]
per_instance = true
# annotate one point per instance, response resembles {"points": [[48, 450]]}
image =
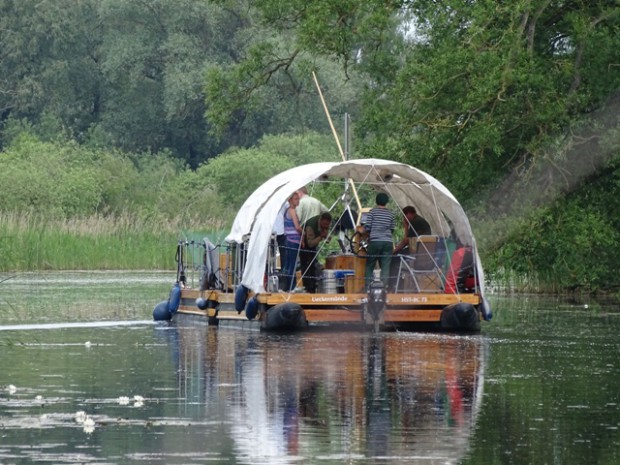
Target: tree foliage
{"points": [[131, 75], [469, 91], [487, 87], [46, 178], [237, 173], [289, 42]]}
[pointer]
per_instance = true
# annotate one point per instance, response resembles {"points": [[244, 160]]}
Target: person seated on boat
{"points": [[315, 230], [379, 225], [292, 231], [309, 207], [413, 225]]}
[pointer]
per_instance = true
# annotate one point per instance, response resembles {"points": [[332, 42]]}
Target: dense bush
{"points": [[62, 179], [65, 205], [571, 245], [44, 177]]}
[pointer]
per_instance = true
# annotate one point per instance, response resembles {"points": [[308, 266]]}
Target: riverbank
{"points": [[31, 242]]}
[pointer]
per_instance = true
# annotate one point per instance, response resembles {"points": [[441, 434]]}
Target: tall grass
{"points": [[33, 242]]}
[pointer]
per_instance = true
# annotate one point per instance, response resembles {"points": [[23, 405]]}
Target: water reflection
{"points": [[397, 398], [161, 394]]}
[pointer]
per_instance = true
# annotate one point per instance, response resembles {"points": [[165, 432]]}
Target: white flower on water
{"points": [[138, 401], [39, 398], [11, 389], [123, 400], [80, 416], [87, 344], [89, 425]]}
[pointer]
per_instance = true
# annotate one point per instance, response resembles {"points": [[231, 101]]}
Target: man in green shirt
{"points": [[309, 207]]}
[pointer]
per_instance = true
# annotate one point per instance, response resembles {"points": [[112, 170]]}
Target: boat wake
{"points": [[79, 324]]}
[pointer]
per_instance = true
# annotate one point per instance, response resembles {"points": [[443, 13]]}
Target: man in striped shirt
{"points": [[379, 225]]}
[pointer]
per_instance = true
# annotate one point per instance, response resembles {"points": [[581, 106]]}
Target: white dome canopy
{"points": [[404, 184]]}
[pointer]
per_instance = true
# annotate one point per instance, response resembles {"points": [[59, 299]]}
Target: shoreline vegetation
{"points": [[70, 207], [32, 242]]}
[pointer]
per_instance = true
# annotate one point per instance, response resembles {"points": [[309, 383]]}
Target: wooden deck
{"points": [[332, 308]]}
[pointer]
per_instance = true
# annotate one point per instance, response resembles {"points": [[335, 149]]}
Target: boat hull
{"points": [[299, 311]]}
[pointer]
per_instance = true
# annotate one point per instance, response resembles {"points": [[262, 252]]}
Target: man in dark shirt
{"points": [[414, 226], [315, 230]]}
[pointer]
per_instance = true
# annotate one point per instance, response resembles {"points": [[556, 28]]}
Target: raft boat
{"points": [[438, 285]]}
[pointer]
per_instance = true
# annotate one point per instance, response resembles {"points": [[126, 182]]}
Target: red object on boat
{"points": [[461, 273]]}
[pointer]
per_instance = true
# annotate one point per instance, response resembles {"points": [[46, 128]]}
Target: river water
{"points": [[86, 377]]}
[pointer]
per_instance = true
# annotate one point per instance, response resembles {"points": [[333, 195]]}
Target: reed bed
{"points": [[31, 242]]}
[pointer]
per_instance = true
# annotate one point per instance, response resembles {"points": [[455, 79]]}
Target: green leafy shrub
{"points": [[51, 178]]}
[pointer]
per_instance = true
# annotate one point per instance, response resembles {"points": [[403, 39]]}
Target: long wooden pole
{"points": [[331, 125]]}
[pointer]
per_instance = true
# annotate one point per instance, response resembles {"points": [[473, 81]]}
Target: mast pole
{"points": [[342, 154]]}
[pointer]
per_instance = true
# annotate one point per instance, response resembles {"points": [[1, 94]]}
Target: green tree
{"points": [[49, 61], [112, 73], [153, 56], [468, 91], [269, 86], [487, 87]]}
